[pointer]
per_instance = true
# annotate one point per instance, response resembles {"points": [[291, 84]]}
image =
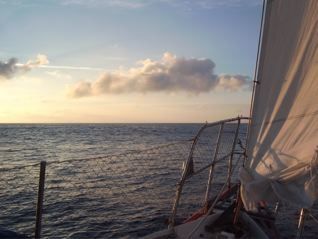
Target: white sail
{"points": [[284, 126]]}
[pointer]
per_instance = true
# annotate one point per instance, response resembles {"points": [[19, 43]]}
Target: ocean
{"points": [[105, 180]]}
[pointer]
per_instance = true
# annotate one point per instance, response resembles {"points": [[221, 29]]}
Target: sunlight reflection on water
{"points": [[118, 196]]}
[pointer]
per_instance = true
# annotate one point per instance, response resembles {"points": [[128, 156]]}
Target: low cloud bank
{"points": [[11, 68], [170, 74]]}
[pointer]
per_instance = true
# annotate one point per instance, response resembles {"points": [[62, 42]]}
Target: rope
{"points": [[313, 217], [17, 166], [125, 153], [255, 81]]}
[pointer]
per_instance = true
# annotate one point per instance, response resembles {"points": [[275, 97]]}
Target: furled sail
{"points": [[283, 133]]}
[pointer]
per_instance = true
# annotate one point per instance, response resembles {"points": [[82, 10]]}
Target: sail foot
{"points": [[296, 185]]}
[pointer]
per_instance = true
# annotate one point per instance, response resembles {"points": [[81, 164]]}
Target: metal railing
{"points": [[85, 197], [213, 157]]}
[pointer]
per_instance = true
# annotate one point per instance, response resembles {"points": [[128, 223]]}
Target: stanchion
{"points": [[39, 207]]}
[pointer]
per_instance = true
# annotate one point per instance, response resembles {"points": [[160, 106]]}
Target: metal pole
{"points": [[256, 80], [212, 166], [202, 219], [39, 207], [301, 222], [232, 152], [185, 173], [277, 206], [184, 176], [303, 212]]}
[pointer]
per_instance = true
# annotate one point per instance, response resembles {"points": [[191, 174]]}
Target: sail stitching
{"points": [[289, 118]]}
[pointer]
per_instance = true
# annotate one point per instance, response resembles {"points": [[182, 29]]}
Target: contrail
{"points": [[86, 68]]}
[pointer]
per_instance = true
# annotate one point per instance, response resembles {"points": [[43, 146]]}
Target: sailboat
{"points": [[279, 162]]}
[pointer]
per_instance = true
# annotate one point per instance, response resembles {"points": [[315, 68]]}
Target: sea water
{"points": [[102, 180], [114, 210]]}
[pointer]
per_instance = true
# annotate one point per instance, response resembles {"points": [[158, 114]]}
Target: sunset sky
{"points": [[121, 61]]}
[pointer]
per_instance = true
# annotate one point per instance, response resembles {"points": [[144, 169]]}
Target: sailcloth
{"points": [[281, 162]]}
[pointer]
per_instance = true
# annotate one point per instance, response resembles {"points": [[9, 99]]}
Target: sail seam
{"points": [[289, 118]]}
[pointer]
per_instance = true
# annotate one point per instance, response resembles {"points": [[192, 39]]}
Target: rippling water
{"points": [[102, 180], [31, 143], [119, 197]]}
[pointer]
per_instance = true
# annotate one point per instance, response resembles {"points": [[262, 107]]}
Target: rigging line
{"points": [[207, 166], [17, 166], [313, 217], [255, 82], [181, 142]]}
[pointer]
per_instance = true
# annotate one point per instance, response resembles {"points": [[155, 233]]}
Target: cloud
{"points": [[8, 69], [39, 61], [170, 74], [84, 68], [233, 82], [11, 68]]}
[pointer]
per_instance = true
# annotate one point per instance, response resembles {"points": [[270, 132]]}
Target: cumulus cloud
{"points": [[170, 74], [11, 68], [233, 82]]}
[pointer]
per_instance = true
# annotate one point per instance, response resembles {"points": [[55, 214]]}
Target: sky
{"points": [[126, 61]]}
